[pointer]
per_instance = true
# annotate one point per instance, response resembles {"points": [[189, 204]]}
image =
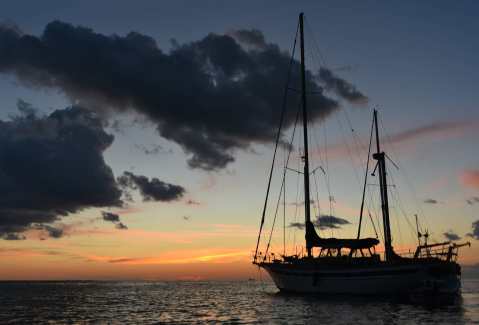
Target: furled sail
{"points": [[313, 240]]}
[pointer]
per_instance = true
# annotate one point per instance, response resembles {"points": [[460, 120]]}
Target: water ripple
{"points": [[240, 302]]}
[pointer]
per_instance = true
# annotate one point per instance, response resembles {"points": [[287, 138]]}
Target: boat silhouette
{"points": [[352, 266]]}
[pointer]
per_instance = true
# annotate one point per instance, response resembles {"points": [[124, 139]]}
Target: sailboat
{"points": [[352, 266]]}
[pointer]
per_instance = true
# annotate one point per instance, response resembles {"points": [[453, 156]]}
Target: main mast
{"points": [[307, 208], [380, 157]]}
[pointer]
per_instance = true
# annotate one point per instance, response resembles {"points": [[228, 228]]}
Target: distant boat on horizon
{"points": [[352, 266]]}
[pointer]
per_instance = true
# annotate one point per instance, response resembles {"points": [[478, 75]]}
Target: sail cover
{"points": [[313, 240]]}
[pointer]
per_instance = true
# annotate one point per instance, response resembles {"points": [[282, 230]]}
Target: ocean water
{"points": [[237, 302]]}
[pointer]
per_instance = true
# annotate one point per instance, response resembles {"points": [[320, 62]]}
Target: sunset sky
{"points": [[135, 141]]}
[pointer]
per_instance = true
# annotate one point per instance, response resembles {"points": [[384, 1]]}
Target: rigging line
{"points": [[326, 158], [313, 160], [283, 185], [284, 206], [301, 197], [326, 174], [374, 205], [377, 213], [318, 215], [283, 109], [295, 210], [301, 193], [396, 219], [327, 177], [317, 193], [274, 221], [396, 191], [348, 149], [404, 216], [321, 60], [374, 226], [365, 182], [358, 145], [397, 197], [405, 175], [315, 137]]}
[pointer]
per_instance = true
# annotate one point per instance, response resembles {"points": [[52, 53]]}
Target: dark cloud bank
{"points": [[212, 97], [52, 166]]}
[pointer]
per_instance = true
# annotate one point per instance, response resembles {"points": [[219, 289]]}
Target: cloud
{"points": [[121, 225], [111, 217], [299, 225], [407, 140], [324, 222], [212, 97], [151, 190], [435, 130], [253, 38], [13, 236], [153, 150], [192, 202], [473, 200], [52, 166], [475, 230], [341, 87], [179, 257], [470, 178], [450, 235], [53, 232], [114, 218], [300, 203], [430, 201]]}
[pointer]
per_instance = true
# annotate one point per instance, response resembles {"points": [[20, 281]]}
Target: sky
{"points": [[136, 139]]}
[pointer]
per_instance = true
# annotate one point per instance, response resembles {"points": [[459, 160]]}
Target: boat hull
{"points": [[381, 279]]}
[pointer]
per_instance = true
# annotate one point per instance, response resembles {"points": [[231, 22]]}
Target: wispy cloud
{"points": [[178, 257], [436, 130], [408, 139]]}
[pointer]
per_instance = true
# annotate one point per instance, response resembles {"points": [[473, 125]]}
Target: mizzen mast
{"points": [[307, 207]]}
